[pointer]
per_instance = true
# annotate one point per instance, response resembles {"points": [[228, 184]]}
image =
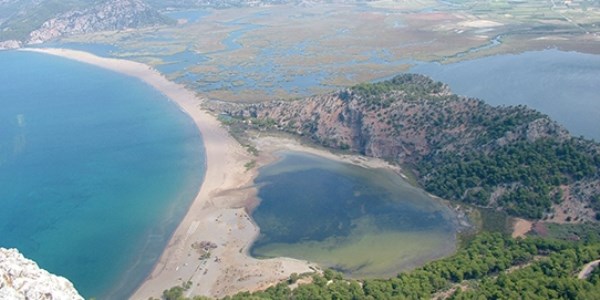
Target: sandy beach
{"points": [[210, 246], [268, 146]]}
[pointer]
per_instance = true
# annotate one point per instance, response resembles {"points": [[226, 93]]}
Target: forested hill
{"points": [[460, 148], [491, 266], [24, 22]]}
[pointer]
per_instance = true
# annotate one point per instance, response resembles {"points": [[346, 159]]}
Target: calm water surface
{"points": [[360, 221], [563, 85], [96, 171]]}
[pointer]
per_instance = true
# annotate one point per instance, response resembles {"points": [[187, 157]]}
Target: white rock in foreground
{"points": [[21, 278]]}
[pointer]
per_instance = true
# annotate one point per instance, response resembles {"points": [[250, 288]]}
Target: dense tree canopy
{"points": [[491, 266], [530, 172]]}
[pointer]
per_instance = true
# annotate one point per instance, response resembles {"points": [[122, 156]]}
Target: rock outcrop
{"points": [[21, 278], [109, 15], [407, 123], [459, 148]]}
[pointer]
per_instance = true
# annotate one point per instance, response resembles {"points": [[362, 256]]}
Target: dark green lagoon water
{"points": [[363, 222]]}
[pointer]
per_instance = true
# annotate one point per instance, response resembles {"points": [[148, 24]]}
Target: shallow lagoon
{"points": [[363, 222]]}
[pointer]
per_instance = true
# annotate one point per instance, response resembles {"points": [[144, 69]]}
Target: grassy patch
{"points": [[588, 232], [251, 149], [495, 221], [250, 165]]}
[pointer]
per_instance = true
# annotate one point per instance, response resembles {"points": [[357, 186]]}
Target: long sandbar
{"points": [[217, 214]]}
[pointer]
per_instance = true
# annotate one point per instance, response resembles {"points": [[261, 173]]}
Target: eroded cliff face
{"points": [[109, 15], [21, 278], [460, 148], [403, 125]]}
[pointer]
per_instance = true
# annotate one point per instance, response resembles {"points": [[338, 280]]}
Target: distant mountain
{"points": [[20, 17], [221, 4], [37, 21], [110, 15], [459, 148]]}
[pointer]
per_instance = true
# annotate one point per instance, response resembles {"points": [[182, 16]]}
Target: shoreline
{"points": [[217, 216]]}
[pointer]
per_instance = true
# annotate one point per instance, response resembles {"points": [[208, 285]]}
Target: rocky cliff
{"points": [[108, 15], [459, 148], [21, 278]]}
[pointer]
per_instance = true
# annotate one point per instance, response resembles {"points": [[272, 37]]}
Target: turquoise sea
{"points": [[96, 171]]}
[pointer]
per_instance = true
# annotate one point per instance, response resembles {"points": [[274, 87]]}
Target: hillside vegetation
{"points": [[491, 266], [460, 148]]}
